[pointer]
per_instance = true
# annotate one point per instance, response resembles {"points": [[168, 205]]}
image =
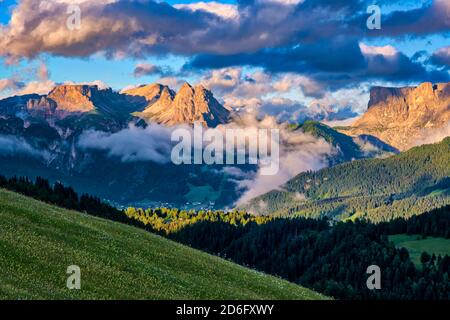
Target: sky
{"points": [[276, 56]]}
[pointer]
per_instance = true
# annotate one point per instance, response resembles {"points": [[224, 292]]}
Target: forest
{"points": [[377, 189]]}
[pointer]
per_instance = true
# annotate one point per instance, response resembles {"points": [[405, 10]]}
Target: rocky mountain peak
{"points": [[186, 87], [74, 98], [189, 105], [401, 116]]}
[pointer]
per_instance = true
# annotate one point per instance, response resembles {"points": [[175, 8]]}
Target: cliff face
{"points": [[74, 98], [400, 116], [189, 105]]}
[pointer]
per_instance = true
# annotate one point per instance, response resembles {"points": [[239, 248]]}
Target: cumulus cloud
{"points": [[36, 87], [441, 57], [116, 28], [237, 87], [430, 18], [317, 38], [100, 84], [146, 69], [10, 84], [350, 61], [287, 96], [18, 85], [135, 28], [309, 86]]}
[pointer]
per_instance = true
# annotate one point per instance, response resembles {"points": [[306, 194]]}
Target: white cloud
{"points": [[37, 87], [17, 85], [227, 11], [99, 83], [387, 51]]}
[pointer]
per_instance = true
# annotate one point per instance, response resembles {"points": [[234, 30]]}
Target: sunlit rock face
{"points": [[403, 116], [189, 105]]}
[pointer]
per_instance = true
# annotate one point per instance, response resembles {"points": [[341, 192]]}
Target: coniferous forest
{"points": [[331, 258]]}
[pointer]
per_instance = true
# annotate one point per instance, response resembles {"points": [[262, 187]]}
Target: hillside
{"points": [[380, 189], [349, 148], [346, 146], [39, 241]]}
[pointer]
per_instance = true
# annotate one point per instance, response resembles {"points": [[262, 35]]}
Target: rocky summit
{"points": [[189, 105], [403, 116]]}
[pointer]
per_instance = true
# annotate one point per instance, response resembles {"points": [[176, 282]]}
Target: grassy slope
{"points": [[38, 242], [415, 245]]}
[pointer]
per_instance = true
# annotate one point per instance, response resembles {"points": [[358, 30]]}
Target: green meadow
{"points": [[39, 241], [416, 245]]}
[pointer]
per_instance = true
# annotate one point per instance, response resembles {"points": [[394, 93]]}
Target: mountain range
{"points": [[42, 138], [156, 103]]}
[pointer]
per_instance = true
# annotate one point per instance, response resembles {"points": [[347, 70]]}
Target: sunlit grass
{"points": [[38, 242]]}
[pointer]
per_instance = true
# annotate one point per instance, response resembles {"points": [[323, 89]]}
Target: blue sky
{"points": [[278, 38]]}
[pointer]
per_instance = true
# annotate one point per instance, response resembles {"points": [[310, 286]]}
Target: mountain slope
{"points": [[379, 189], [38, 242], [401, 116], [348, 148]]}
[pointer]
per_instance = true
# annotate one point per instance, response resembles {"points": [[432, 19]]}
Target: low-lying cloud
{"points": [[298, 152], [13, 146], [132, 144], [429, 135]]}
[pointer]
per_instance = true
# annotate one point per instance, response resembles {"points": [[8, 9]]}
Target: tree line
{"points": [[333, 259]]}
